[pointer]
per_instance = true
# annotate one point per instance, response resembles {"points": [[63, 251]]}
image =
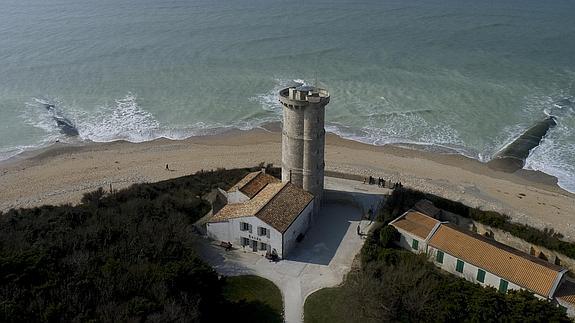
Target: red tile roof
{"points": [[566, 292], [513, 265], [416, 223], [276, 203], [257, 183]]}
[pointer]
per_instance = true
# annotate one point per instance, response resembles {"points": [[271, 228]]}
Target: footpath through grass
{"points": [[256, 293]]}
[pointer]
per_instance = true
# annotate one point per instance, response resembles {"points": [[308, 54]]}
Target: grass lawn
{"points": [[329, 305], [259, 297], [325, 305]]}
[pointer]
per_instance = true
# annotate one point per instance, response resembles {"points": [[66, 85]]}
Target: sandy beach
{"points": [[62, 173]]}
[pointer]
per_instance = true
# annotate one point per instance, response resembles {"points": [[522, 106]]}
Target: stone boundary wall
{"points": [[362, 201], [330, 173]]}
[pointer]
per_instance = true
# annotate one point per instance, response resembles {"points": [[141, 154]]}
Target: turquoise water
{"points": [[464, 75]]}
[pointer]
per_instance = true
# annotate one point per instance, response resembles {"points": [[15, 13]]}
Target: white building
{"points": [[477, 258], [263, 215], [415, 230]]}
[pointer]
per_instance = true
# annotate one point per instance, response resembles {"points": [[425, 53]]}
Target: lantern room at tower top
{"points": [[304, 94]]}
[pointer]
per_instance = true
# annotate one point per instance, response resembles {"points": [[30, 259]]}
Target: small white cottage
{"points": [[263, 215], [477, 258], [415, 230]]}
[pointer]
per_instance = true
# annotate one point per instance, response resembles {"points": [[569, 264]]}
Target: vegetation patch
{"points": [[328, 305], [403, 199], [397, 285], [263, 296], [125, 256]]}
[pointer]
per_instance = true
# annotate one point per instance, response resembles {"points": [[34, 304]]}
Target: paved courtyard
{"points": [[321, 260]]}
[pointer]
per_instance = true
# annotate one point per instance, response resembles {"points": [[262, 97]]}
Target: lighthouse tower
{"points": [[303, 137]]}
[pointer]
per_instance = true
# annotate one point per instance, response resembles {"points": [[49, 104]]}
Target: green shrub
{"points": [[121, 256], [397, 285]]}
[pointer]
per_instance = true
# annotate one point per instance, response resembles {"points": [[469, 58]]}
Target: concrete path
{"points": [[321, 260]]}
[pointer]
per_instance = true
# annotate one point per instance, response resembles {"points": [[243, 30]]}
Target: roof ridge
{"points": [[237, 186], [505, 248], [283, 185], [251, 180], [503, 260]]}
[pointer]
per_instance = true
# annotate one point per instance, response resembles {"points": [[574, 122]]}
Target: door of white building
{"points": [[254, 246]]}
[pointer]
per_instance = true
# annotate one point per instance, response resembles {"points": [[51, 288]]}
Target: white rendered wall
{"points": [[218, 231], [469, 271], [300, 225], [406, 240], [236, 197], [230, 232], [450, 262]]}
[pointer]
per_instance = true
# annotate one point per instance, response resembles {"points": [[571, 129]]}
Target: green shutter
{"points": [[414, 244], [459, 266], [439, 256], [481, 275], [503, 284]]}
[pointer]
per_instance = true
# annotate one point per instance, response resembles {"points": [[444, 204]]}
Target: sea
{"points": [[457, 76]]}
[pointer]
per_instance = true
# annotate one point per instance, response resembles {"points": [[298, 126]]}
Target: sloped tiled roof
{"points": [[285, 207], [416, 223], [257, 183], [276, 203], [243, 181], [566, 292], [250, 207], [513, 265]]}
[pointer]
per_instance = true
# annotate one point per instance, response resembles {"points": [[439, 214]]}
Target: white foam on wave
{"points": [[556, 153], [445, 143], [123, 120], [269, 100], [35, 114]]}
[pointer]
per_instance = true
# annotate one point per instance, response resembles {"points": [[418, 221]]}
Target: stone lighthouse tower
{"points": [[303, 137]]}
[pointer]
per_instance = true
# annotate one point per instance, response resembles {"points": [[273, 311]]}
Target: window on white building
{"points": [[459, 266], [245, 241], [264, 246], [263, 232], [245, 227], [481, 275], [503, 284], [439, 256]]}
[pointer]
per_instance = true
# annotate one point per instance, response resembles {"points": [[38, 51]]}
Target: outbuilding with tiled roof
{"points": [[415, 229], [477, 258]]}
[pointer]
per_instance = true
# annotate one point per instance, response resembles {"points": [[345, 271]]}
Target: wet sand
{"points": [[63, 173]]}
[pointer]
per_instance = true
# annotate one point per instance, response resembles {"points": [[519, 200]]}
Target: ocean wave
{"points": [[556, 153], [440, 138], [124, 120]]}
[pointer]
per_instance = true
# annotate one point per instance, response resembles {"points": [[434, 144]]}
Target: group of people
{"points": [[381, 182]]}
